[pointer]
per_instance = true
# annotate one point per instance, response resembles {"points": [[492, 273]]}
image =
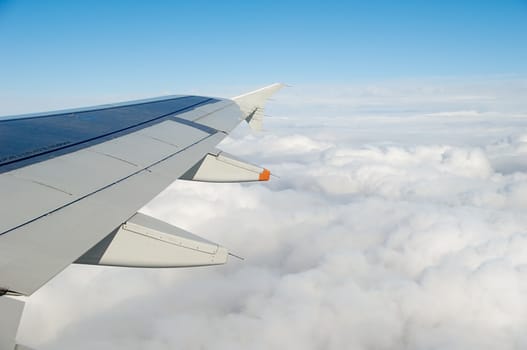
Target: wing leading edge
{"points": [[72, 183]]}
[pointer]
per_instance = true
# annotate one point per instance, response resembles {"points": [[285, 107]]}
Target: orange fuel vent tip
{"points": [[265, 175]]}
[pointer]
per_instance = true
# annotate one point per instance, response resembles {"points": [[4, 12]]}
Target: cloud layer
{"points": [[397, 222]]}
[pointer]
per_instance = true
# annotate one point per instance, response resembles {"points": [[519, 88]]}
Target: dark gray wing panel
{"points": [[28, 140]]}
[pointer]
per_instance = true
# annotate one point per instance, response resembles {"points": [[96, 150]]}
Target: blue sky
{"points": [[67, 48]]}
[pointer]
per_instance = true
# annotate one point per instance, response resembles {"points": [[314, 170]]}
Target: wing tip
{"points": [[252, 104]]}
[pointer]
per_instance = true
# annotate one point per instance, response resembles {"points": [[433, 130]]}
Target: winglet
{"points": [[252, 104]]}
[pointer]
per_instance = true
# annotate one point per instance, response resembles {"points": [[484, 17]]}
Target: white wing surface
{"points": [[72, 182]]}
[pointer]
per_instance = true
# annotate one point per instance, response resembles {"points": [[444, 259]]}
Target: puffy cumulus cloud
{"points": [[384, 230]]}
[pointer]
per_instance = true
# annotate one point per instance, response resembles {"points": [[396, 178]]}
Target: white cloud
{"points": [[389, 227]]}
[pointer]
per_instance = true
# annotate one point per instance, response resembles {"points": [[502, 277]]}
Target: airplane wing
{"points": [[72, 183]]}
